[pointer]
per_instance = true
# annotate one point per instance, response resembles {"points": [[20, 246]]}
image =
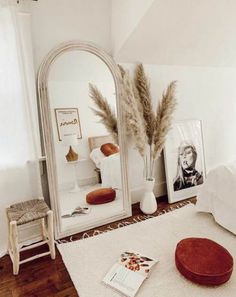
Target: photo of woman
{"points": [[187, 176], [184, 160]]}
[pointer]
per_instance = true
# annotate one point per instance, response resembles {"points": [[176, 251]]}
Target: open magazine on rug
{"points": [[129, 272]]}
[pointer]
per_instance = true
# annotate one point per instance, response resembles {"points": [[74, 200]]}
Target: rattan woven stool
{"points": [[23, 213]]}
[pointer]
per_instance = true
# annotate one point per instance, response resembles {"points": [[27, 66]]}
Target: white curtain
{"points": [[19, 135]]}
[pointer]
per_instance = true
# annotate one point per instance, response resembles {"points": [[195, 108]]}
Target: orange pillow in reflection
{"points": [[100, 196], [109, 149]]}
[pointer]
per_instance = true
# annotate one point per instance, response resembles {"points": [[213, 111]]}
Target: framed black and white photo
{"points": [[68, 123], [184, 160]]}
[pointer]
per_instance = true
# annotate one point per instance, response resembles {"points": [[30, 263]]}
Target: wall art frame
{"points": [[184, 160], [68, 122]]}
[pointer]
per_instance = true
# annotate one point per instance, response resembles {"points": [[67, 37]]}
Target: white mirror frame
{"points": [[44, 102]]}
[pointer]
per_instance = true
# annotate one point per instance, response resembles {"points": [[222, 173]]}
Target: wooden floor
{"points": [[45, 277]]}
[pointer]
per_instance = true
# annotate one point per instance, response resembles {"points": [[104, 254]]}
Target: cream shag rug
{"points": [[88, 260]]}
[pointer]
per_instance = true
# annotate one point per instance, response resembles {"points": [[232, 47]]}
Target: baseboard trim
{"points": [[160, 189]]}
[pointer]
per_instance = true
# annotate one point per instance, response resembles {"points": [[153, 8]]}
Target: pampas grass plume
{"points": [[143, 87], [107, 116], [133, 116], [164, 114]]}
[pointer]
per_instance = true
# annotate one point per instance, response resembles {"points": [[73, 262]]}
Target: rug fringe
{"points": [[113, 226]]}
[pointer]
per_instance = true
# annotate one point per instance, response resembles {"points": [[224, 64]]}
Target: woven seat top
{"points": [[27, 211]]}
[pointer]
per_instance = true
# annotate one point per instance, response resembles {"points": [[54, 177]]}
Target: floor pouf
{"points": [[100, 196], [203, 261]]}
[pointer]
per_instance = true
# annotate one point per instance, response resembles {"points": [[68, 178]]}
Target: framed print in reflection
{"points": [[68, 123]]}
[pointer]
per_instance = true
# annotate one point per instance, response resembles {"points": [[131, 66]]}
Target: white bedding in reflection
{"points": [[111, 172]]}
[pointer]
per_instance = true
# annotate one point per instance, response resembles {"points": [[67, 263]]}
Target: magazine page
{"points": [[128, 274], [137, 262], [124, 280]]}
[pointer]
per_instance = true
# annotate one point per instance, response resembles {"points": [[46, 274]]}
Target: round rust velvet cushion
{"points": [[100, 196], [109, 149], [203, 261]]}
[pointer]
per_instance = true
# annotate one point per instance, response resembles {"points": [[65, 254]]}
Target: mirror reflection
{"points": [[87, 156]]}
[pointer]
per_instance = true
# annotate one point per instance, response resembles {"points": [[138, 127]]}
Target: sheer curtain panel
{"points": [[19, 135]]}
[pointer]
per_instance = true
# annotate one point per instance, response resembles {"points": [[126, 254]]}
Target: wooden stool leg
{"points": [[8, 239], [14, 247], [43, 229], [51, 243]]}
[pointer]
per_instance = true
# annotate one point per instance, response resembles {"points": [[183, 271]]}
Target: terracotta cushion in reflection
{"points": [[203, 261], [100, 196], [109, 149]]}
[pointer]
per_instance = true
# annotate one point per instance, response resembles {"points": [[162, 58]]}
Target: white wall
{"points": [[183, 32], [206, 93], [56, 21], [125, 16]]}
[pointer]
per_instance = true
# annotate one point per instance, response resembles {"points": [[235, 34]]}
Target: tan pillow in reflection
{"points": [[109, 149]]}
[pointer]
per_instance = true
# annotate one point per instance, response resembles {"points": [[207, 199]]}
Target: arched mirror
{"points": [[86, 166]]}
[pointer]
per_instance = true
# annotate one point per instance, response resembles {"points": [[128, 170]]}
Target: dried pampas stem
{"points": [[133, 116], [147, 128], [107, 116], [143, 87], [122, 70], [135, 90], [164, 114]]}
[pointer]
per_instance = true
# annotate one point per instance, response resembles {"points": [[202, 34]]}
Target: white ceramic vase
{"points": [[148, 203]]}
